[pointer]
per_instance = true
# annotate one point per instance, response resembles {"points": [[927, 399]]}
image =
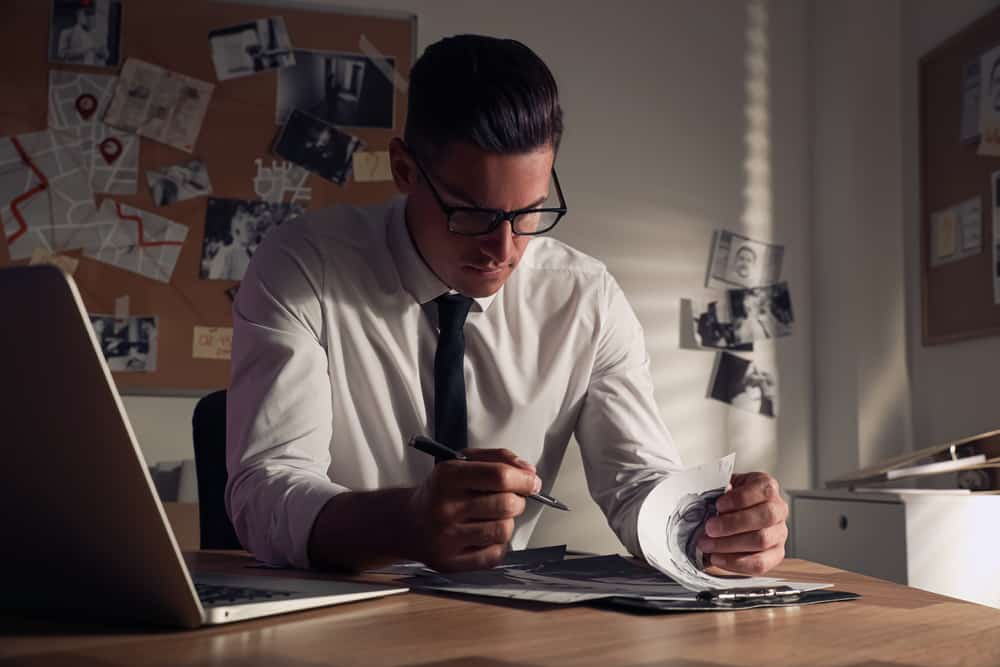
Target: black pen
{"points": [[444, 452]]}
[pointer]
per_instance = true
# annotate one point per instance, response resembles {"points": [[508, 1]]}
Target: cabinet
{"points": [[948, 544]]}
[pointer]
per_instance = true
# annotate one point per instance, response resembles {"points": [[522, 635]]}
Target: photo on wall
{"points": [[738, 261], [741, 384], [761, 313], [85, 32], [128, 344], [178, 182], [234, 228], [317, 146], [248, 48], [712, 326], [345, 89]]}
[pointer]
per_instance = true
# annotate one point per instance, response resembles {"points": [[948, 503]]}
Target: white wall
{"points": [[862, 399], [953, 385], [682, 117]]}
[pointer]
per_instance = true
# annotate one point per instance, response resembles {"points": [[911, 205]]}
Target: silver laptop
{"points": [[83, 529]]}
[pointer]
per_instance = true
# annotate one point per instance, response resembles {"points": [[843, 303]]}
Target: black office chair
{"points": [[209, 426]]}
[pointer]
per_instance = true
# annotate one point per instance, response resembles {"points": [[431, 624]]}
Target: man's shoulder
{"points": [[338, 231], [549, 255]]}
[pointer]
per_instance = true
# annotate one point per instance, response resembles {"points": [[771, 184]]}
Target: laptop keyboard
{"points": [[214, 595]]}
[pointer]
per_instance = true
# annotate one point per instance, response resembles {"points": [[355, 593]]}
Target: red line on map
{"points": [[42, 185], [143, 243]]}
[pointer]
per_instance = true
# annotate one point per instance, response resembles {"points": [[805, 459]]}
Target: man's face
{"points": [[465, 175], [745, 259], [84, 19], [242, 228]]}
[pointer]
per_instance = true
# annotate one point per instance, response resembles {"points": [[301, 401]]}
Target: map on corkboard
{"points": [[137, 151]]}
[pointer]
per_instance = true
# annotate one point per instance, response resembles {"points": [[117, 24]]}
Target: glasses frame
{"points": [[499, 215]]}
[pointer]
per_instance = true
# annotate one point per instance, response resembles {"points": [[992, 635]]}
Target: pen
{"points": [[444, 452]]}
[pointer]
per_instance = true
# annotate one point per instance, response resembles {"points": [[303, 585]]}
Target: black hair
{"points": [[496, 94]]}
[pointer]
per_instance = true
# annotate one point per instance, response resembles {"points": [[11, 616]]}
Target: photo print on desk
{"points": [[85, 32], [317, 146], [128, 344], [233, 230], [248, 48], [738, 261], [761, 313], [345, 89], [740, 383], [178, 182]]}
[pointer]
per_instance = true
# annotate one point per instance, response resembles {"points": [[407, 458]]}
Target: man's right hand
{"points": [[464, 512]]}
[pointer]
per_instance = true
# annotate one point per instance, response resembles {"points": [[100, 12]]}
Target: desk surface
{"points": [[892, 625]]}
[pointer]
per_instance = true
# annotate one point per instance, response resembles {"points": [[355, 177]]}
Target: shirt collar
{"points": [[416, 277]]}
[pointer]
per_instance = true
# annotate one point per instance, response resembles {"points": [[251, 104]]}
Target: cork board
{"points": [[957, 297], [240, 127]]}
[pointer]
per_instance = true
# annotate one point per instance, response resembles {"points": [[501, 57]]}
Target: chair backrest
{"points": [[209, 428]]}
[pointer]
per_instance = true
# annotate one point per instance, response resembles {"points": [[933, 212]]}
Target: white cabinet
{"points": [[948, 544]]}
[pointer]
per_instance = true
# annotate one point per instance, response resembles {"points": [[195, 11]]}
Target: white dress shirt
{"points": [[333, 371]]}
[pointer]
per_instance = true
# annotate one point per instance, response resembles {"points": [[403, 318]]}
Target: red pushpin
{"points": [[86, 105], [110, 148]]}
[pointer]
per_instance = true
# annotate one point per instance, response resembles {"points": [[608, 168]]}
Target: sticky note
{"points": [[371, 166], [944, 234], [213, 342]]}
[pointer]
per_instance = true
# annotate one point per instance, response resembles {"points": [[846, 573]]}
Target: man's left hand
{"points": [[748, 536]]}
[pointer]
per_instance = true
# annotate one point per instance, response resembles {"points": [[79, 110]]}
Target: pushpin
{"points": [[110, 148], [86, 105]]}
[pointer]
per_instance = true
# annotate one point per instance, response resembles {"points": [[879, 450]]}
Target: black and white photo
{"points": [[345, 89], [178, 182], [740, 383], [317, 146], [248, 48], [128, 344], [233, 230], [713, 326], [738, 261], [86, 32], [761, 313]]}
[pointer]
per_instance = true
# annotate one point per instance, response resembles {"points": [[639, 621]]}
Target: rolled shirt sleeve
{"points": [[625, 446], [279, 414]]}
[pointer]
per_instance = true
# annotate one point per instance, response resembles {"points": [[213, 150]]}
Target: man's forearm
{"points": [[356, 530]]}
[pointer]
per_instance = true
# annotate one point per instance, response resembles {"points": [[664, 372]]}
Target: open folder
{"points": [[618, 582]]}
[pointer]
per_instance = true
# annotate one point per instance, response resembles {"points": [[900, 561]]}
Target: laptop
{"points": [[84, 531]]}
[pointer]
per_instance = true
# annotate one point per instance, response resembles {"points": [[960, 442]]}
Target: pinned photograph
{"points": [[989, 102], [128, 344], [178, 182], [341, 88], [761, 313], [317, 146], [248, 48], [233, 230], [738, 261], [743, 385], [713, 327], [86, 32]]}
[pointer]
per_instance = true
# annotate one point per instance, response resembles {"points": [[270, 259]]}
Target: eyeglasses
{"points": [[476, 221]]}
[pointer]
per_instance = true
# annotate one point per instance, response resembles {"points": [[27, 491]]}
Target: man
{"points": [[743, 264], [441, 313], [232, 259], [78, 43]]}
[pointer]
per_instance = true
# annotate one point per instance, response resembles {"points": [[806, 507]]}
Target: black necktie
{"points": [[450, 416]]}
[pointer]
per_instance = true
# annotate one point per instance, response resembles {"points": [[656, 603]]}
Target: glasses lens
{"points": [[471, 222], [538, 222]]}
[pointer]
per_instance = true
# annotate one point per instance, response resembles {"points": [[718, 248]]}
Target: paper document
{"points": [[516, 558], [137, 241], [572, 581], [165, 106]]}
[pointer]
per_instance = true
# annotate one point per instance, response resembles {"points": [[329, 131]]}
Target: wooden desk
{"points": [[892, 625]]}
